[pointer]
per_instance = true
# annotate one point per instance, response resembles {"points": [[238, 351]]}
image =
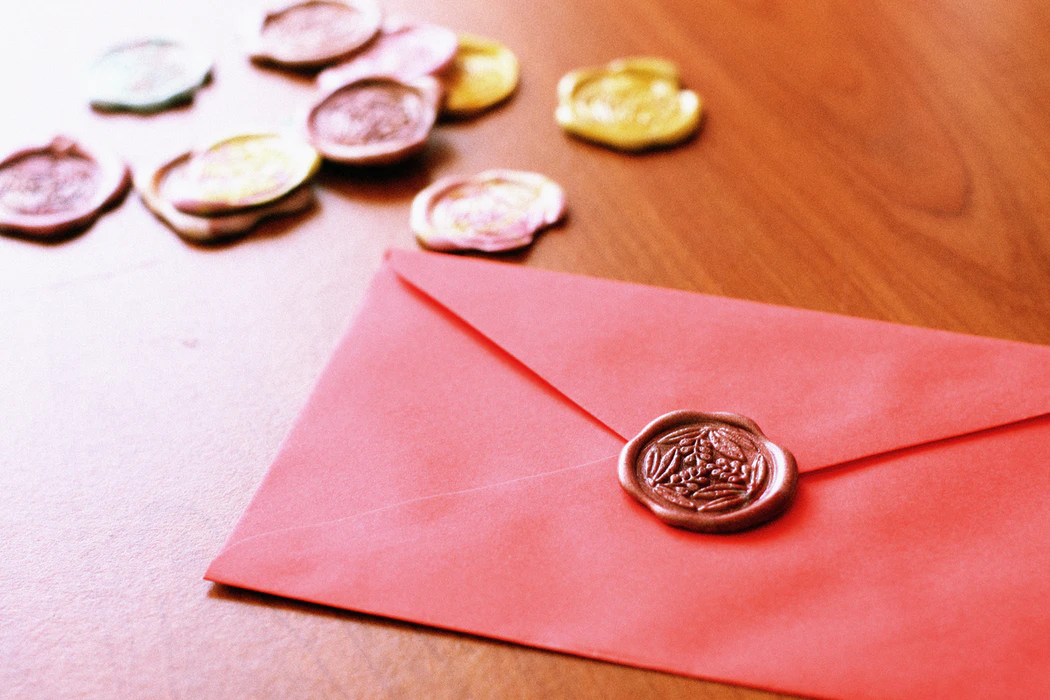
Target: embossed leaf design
{"points": [[650, 465], [684, 435], [668, 464], [758, 472], [674, 497], [722, 489], [726, 445], [722, 504], [704, 468]]}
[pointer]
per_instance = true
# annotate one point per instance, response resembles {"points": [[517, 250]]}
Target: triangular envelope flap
{"points": [[410, 384], [830, 388]]}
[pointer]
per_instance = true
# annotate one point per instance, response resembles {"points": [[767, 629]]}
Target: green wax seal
{"points": [[148, 75]]}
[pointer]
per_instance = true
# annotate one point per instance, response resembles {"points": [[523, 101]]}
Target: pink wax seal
{"points": [[315, 33], [53, 190], [493, 211], [403, 49], [374, 120]]}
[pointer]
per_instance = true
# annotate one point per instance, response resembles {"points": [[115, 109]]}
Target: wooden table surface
{"points": [[887, 160]]}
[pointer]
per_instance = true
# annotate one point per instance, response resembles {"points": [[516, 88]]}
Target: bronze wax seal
{"points": [[708, 472]]}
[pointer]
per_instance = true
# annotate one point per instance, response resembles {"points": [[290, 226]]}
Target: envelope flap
{"points": [[830, 388]]}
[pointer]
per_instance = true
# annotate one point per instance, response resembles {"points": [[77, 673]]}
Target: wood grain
{"points": [[886, 160]]}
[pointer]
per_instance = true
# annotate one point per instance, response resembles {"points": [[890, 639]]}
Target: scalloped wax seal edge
{"points": [[773, 501], [547, 209]]}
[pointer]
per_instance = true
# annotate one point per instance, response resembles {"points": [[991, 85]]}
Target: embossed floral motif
{"points": [[709, 468]]}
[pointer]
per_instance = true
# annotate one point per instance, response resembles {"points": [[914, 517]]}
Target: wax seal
{"points": [[242, 172], [374, 120], [483, 74], [50, 191], [403, 49], [147, 75], [494, 211], [631, 104], [154, 190], [708, 472], [315, 33]]}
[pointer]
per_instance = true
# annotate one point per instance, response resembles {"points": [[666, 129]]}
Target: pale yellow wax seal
{"points": [[630, 104], [156, 186], [243, 172], [483, 73]]}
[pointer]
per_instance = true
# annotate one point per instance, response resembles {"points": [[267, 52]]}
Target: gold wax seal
{"points": [[483, 73], [630, 104]]}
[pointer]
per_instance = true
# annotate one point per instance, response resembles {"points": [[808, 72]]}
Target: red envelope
{"points": [[456, 467]]}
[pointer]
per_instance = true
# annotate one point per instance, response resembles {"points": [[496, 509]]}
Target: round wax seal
{"points": [[404, 49], [483, 73], [708, 472], [147, 76], [200, 229], [315, 33], [375, 120], [55, 189], [242, 172], [493, 211], [631, 104]]}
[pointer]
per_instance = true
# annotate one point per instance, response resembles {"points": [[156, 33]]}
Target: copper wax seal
{"points": [[708, 472]]}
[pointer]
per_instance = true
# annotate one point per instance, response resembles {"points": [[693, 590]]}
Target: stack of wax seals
{"points": [[380, 105], [631, 104], [53, 191], [494, 211], [147, 75], [380, 96], [230, 186]]}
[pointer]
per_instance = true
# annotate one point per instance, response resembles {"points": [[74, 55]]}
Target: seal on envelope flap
{"points": [[708, 472]]}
